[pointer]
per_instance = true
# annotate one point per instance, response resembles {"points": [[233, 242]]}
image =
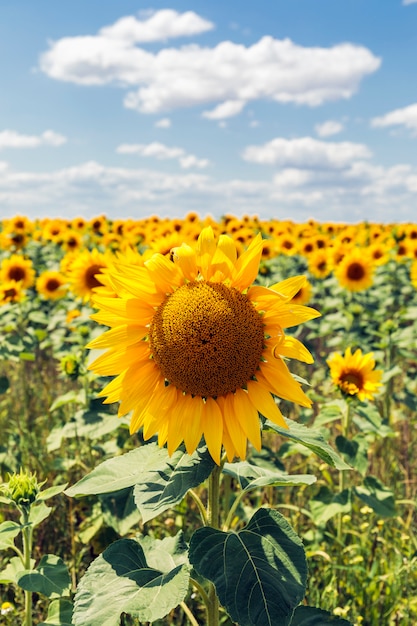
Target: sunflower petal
{"points": [[212, 426]]}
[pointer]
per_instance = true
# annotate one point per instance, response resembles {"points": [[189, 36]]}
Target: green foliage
{"points": [[121, 580], [259, 572]]}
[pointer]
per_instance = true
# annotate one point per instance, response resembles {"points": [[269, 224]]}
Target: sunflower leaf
{"points": [[259, 572], [161, 488], [251, 476], [59, 613], [119, 472], [50, 577], [121, 581], [311, 438]]}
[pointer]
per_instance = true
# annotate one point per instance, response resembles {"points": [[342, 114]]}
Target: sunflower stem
{"points": [[346, 421], [27, 552], [213, 518]]}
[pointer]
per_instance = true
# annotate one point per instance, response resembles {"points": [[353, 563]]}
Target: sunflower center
{"points": [[53, 284], [90, 278], [352, 382], [207, 339], [355, 271], [17, 273]]}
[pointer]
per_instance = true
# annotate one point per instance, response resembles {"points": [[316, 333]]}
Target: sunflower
{"points": [[196, 349], [11, 291], [51, 285], [83, 272], [354, 374], [320, 263], [355, 271], [16, 267]]}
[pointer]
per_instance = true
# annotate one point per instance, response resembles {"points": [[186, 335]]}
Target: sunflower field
{"points": [[207, 422]]}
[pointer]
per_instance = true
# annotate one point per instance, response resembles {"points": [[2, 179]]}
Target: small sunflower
{"points": [[84, 270], [355, 271], [11, 291], [196, 350], [51, 285], [16, 267], [354, 374], [320, 263]]}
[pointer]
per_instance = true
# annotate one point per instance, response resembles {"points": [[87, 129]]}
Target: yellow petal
{"points": [[192, 422], [185, 258], [212, 426], [263, 401], [287, 315], [165, 274], [289, 287], [291, 348], [281, 382], [247, 265], [249, 418], [118, 336], [115, 360], [237, 435]]}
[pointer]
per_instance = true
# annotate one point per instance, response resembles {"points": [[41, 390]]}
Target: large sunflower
{"points": [[196, 349], [354, 374]]}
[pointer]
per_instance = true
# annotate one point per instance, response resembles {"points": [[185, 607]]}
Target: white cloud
{"points": [[159, 26], [13, 139], [230, 108], [406, 116], [328, 128], [360, 191], [230, 74], [406, 2], [160, 151], [306, 153], [165, 122]]}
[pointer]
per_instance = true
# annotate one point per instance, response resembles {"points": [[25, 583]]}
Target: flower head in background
{"points": [[51, 285], [19, 269], [355, 271], [355, 374], [197, 350]]}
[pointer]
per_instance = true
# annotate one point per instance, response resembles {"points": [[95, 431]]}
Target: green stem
{"points": [[27, 553], [200, 506], [188, 613], [213, 517], [346, 421]]}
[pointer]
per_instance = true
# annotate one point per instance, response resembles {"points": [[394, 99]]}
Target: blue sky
{"points": [[287, 110]]}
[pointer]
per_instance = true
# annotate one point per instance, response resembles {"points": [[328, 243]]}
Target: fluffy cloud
{"points": [[159, 26], [230, 74], [328, 128], [13, 139], [406, 2], [406, 116], [160, 151], [360, 191], [306, 153]]}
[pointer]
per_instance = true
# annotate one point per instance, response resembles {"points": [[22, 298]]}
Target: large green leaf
{"points": [[59, 613], [120, 472], [121, 581], [251, 476], [377, 496], [8, 531], [310, 616], [119, 510], [313, 439], [13, 569], [161, 488], [259, 572], [50, 577]]}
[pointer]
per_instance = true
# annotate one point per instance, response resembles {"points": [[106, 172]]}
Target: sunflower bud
{"points": [[22, 488]]}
